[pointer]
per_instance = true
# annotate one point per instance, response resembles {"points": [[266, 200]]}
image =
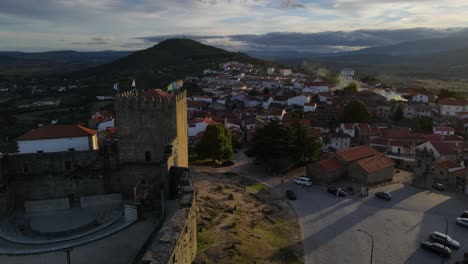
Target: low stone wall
{"points": [[46, 205], [176, 242], [101, 200]]}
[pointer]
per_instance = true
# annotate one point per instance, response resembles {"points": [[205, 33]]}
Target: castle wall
{"points": [[182, 130], [41, 187], [176, 241], [57, 162], [145, 129]]}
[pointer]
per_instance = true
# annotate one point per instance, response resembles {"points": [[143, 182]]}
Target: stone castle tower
{"points": [[152, 137]]}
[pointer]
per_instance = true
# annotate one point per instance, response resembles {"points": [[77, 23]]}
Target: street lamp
{"points": [[372, 243]]}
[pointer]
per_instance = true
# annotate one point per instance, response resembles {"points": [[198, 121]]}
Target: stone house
{"points": [[372, 170], [364, 164]]}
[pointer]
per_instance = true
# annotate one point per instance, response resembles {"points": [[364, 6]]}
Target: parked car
{"points": [[303, 181], [438, 186], [444, 240], [462, 221], [336, 191], [383, 195], [437, 248], [291, 195], [464, 214], [227, 163]]}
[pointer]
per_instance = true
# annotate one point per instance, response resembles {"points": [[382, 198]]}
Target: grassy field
{"points": [[255, 226]]}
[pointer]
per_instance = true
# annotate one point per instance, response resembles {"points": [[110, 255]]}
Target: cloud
{"points": [[322, 42], [292, 4], [229, 23], [95, 41]]}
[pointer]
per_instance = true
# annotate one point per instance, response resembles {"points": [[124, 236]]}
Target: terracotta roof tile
{"points": [[58, 131], [331, 164], [375, 163], [356, 153]]}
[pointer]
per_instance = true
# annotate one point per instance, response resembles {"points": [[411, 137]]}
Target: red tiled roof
{"points": [[155, 95], [449, 164], [431, 137], [452, 138], [452, 101], [356, 153], [394, 132], [363, 126], [58, 131], [331, 164], [448, 148], [348, 126], [375, 163], [442, 128]]}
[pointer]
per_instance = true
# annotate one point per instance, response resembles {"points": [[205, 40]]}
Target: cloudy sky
{"points": [[40, 25]]}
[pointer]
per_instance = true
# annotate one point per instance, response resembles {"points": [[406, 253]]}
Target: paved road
{"points": [[329, 224]]}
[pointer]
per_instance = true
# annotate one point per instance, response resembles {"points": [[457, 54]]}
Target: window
{"points": [[67, 165], [148, 156], [25, 168], [441, 173]]}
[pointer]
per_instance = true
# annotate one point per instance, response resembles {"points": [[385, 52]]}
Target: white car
{"points": [[303, 181], [462, 221]]}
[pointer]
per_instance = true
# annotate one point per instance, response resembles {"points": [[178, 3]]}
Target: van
{"points": [[303, 181]]}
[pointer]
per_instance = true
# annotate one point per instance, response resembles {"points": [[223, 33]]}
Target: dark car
{"points": [[336, 191], [464, 214], [437, 248], [438, 186], [227, 163], [444, 240], [291, 195], [383, 195]]}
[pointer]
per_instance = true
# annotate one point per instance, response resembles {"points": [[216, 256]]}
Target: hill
{"points": [[53, 62], [169, 60]]}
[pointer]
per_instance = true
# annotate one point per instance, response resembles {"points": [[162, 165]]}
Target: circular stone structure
{"points": [[62, 223]]}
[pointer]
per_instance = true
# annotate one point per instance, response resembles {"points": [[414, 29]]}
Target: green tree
{"points": [[331, 78], [355, 112], [306, 146], [273, 141], [266, 90], [398, 115], [446, 93], [216, 143], [352, 87], [426, 124], [371, 79]]}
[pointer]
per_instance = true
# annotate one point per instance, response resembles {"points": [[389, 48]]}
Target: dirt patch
{"points": [[244, 222]]}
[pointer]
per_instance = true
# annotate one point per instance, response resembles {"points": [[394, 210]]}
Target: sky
{"points": [[88, 25]]}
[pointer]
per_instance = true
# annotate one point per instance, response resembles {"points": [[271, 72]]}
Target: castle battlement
{"points": [[154, 98]]}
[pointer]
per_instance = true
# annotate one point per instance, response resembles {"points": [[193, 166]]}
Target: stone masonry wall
{"points": [[176, 241]]}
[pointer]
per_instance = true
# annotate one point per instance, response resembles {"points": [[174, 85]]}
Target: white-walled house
{"points": [[347, 76], [310, 107], [419, 97], [199, 125], [450, 106], [285, 72], [444, 131], [270, 71], [315, 87], [205, 99], [337, 141], [300, 100], [348, 128], [109, 122], [58, 138], [267, 101]]}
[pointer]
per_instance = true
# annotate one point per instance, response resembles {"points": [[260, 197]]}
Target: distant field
{"points": [[460, 86]]}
